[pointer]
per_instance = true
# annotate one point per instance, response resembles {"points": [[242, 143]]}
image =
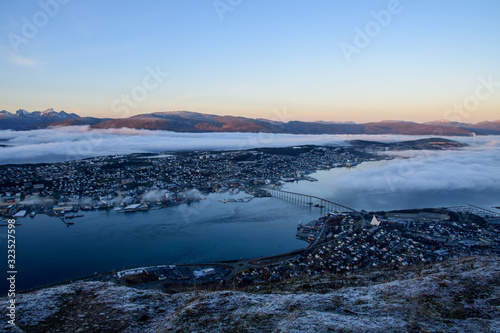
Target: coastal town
{"points": [[390, 239], [339, 244], [339, 241], [143, 181]]}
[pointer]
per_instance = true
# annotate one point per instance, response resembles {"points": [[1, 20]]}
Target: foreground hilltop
{"points": [[457, 295]]}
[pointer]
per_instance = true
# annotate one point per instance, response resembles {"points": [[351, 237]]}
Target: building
{"points": [[204, 272], [132, 208], [375, 221], [21, 213]]}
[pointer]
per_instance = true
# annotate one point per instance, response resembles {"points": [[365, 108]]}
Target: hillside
{"points": [[429, 143], [184, 121], [193, 122], [458, 295], [409, 128]]}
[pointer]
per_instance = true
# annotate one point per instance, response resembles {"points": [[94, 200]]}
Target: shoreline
{"points": [[235, 262], [230, 272]]}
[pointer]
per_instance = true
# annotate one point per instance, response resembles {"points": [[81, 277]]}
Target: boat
{"points": [[32, 214]]}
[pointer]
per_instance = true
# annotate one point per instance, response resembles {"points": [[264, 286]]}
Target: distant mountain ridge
{"points": [[186, 121], [194, 122], [23, 119]]}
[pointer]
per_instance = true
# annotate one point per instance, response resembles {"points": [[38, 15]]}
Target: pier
{"points": [[304, 199], [63, 220]]}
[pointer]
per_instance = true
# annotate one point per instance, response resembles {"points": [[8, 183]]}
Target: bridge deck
{"points": [[310, 200]]}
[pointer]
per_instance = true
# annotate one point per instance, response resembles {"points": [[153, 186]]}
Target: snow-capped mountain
{"points": [[49, 113], [22, 113], [23, 119]]}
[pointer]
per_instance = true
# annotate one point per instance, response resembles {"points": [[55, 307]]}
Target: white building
{"points": [[375, 221]]}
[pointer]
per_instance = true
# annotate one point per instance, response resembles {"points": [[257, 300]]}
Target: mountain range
{"points": [[25, 120], [186, 121]]}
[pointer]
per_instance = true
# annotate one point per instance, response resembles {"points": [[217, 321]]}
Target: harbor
{"points": [[339, 242], [204, 231]]}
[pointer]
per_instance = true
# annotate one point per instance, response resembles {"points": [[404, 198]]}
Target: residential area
{"points": [[339, 243], [156, 181], [389, 239]]}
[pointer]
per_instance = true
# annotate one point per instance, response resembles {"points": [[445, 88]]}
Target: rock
{"points": [[446, 296]]}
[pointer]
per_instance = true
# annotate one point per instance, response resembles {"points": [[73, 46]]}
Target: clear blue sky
{"points": [[278, 59]]}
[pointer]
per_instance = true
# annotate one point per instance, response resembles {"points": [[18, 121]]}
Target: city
{"points": [[160, 181], [340, 242], [157, 181], [250, 166]]}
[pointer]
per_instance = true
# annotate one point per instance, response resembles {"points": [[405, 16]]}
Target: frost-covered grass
{"points": [[459, 295]]}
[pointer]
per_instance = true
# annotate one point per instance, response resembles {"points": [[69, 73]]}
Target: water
{"points": [[47, 251], [373, 186]]}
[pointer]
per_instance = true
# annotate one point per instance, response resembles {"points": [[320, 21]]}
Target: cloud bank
{"points": [[431, 177], [35, 200], [474, 171], [77, 142], [476, 168]]}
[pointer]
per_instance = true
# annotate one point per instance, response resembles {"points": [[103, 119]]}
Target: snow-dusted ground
{"points": [[460, 295]]}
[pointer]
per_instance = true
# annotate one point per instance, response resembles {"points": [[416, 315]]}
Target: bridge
{"points": [[304, 199]]}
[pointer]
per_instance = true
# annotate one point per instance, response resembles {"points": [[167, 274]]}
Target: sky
{"points": [[412, 60]]}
